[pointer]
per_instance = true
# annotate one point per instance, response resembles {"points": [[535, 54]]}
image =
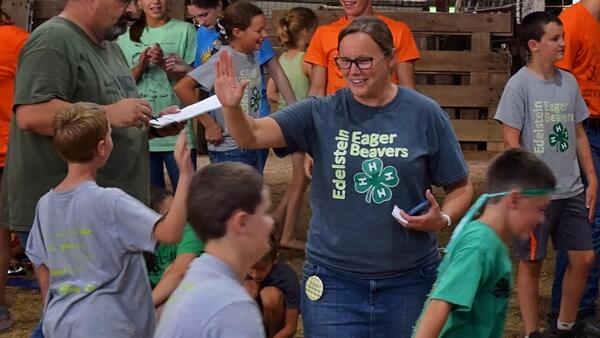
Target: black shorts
{"points": [[568, 225]]}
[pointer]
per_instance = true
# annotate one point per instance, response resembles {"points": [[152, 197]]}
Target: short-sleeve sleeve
{"points": [[189, 242], [511, 109], [240, 319], [446, 163], [581, 109], [190, 44], [297, 125], [35, 248], [315, 54], [289, 285], [460, 280], [134, 224], [44, 73], [404, 41], [205, 73]]}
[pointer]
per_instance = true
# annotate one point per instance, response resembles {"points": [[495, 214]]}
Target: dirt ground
{"points": [[25, 305]]}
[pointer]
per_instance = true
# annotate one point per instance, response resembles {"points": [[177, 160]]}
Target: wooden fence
{"points": [[458, 67]]}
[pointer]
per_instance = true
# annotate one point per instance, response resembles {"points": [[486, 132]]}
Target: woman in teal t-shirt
{"points": [[159, 50]]}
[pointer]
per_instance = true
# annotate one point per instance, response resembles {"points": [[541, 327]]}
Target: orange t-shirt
{"points": [[582, 53], [324, 44], [12, 39]]}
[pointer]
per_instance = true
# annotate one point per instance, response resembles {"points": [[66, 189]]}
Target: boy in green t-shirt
{"points": [[470, 296], [169, 262]]}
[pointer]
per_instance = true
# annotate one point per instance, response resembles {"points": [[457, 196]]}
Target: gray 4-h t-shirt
{"points": [[246, 68], [366, 160], [91, 239], [546, 113], [210, 302]]}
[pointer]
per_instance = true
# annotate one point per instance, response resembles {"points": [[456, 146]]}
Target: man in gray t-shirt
{"points": [[546, 112]]}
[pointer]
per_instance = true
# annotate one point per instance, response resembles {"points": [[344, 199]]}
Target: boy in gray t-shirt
{"points": [[228, 210], [542, 111], [88, 240]]}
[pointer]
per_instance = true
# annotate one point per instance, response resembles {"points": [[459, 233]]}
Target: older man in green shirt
{"points": [[68, 59]]}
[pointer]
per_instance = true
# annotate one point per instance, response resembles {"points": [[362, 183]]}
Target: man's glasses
{"points": [[363, 62]]}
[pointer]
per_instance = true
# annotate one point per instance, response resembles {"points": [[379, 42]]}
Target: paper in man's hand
{"points": [[187, 113]]}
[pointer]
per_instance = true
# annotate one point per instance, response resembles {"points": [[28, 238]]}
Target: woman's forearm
{"points": [[458, 199]]}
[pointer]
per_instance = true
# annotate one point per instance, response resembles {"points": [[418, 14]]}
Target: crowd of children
{"points": [[202, 261]]}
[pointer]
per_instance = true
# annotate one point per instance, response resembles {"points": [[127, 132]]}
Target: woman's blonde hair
{"points": [[293, 23]]}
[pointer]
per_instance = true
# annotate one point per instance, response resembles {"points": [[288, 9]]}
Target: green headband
{"points": [[482, 200]]}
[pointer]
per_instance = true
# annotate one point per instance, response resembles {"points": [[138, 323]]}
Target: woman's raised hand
{"points": [[227, 87]]}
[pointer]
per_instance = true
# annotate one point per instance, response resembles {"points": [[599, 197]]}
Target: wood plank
{"points": [[477, 130], [459, 96], [461, 61], [18, 10], [481, 42], [46, 9], [497, 23]]}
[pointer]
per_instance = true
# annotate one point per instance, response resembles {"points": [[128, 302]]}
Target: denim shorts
{"points": [[566, 223], [252, 158], [361, 308]]}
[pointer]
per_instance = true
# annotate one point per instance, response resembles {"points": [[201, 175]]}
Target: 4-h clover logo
{"points": [[255, 99], [375, 181], [559, 138]]}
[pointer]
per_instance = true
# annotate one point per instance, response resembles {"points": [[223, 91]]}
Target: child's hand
{"points": [[156, 55], [182, 155], [144, 59], [175, 64], [227, 87], [591, 197]]}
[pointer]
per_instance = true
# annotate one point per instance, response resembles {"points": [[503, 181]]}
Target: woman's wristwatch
{"points": [[447, 219]]}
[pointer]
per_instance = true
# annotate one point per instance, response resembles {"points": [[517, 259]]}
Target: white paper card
{"points": [[398, 217], [188, 112]]}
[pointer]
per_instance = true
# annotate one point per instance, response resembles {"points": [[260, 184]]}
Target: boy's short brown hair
{"points": [[217, 191], [77, 130]]}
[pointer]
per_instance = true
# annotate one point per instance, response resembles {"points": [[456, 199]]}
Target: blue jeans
{"points": [[161, 159], [252, 158], [362, 308], [587, 307]]}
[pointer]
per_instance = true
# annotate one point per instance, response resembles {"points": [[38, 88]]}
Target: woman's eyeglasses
{"points": [[362, 63]]}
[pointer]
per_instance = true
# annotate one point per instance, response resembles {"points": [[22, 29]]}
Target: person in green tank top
{"points": [[169, 262], [294, 31], [159, 51], [470, 296]]}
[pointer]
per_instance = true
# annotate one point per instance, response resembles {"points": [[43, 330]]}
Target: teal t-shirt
{"points": [[177, 37], [165, 254], [476, 278]]}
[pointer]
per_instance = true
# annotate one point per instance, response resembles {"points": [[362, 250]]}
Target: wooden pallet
{"points": [[458, 67]]}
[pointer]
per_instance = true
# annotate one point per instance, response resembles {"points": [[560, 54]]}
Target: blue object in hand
{"points": [[420, 209]]}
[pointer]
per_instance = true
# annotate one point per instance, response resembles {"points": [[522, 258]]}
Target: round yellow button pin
{"points": [[314, 288]]}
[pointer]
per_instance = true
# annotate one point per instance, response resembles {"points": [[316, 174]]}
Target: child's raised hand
{"points": [[182, 155], [227, 87]]}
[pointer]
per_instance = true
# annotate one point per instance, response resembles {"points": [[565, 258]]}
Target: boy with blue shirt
{"points": [[470, 296], [228, 207], [542, 111], [88, 240]]}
